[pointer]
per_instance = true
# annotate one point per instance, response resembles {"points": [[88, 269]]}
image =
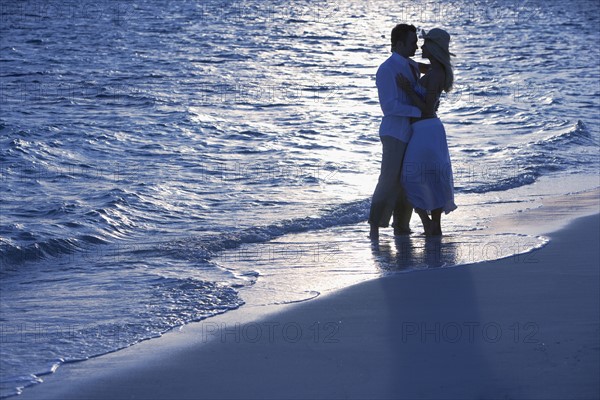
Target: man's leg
{"points": [[388, 185], [402, 214], [403, 209]]}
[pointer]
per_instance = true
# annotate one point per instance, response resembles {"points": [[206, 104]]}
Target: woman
{"points": [[427, 171]]}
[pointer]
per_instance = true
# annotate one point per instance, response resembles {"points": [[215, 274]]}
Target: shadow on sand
{"points": [[434, 323]]}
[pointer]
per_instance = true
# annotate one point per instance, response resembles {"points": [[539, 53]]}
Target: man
{"points": [[395, 132]]}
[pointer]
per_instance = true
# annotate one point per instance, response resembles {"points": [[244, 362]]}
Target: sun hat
{"points": [[441, 38]]}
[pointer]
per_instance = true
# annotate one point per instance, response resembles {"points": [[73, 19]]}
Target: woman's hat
{"points": [[441, 38]]}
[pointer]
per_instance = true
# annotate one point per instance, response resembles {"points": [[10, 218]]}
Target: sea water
{"points": [[162, 162]]}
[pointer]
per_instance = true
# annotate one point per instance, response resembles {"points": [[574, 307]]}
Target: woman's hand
{"points": [[403, 83]]}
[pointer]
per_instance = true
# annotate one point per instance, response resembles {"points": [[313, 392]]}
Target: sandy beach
{"points": [[524, 327]]}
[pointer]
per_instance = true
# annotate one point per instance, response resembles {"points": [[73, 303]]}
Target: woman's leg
{"points": [[436, 222], [424, 220]]}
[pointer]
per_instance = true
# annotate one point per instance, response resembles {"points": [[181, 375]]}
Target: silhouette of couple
{"points": [[415, 168]]}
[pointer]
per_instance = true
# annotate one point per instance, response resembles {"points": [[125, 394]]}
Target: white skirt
{"points": [[427, 171]]}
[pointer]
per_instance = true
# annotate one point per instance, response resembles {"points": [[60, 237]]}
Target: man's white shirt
{"points": [[395, 104]]}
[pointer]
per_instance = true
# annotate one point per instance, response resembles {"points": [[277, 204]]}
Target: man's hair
{"points": [[400, 32]]}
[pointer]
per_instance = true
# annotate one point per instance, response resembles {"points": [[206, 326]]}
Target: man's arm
{"points": [[391, 99]]}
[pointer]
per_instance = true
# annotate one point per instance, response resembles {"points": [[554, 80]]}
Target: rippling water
{"points": [[142, 140]]}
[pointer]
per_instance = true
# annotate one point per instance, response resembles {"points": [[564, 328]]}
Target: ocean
{"points": [[164, 161]]}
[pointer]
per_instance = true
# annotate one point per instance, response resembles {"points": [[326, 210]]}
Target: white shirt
{"points": [[395, 103]]}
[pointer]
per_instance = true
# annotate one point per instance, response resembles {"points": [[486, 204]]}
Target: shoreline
{"points": [[328, 342], [302, 266]]}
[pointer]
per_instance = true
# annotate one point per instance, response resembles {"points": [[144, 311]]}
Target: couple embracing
{"points": [[415, 168]]}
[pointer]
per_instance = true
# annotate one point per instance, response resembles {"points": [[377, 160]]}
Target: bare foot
{"points": [[436, 222], [425, 221]]}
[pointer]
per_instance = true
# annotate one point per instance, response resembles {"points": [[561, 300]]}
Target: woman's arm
{"points": [[423, 68]]}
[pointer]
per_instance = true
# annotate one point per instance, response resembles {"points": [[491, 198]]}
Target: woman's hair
{"points": [[443, 56]]}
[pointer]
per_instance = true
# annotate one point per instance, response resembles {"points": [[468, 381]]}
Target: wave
{"points": [[512, 182], [204, 248], [525, 164], [13, 255], [578, 135]]}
